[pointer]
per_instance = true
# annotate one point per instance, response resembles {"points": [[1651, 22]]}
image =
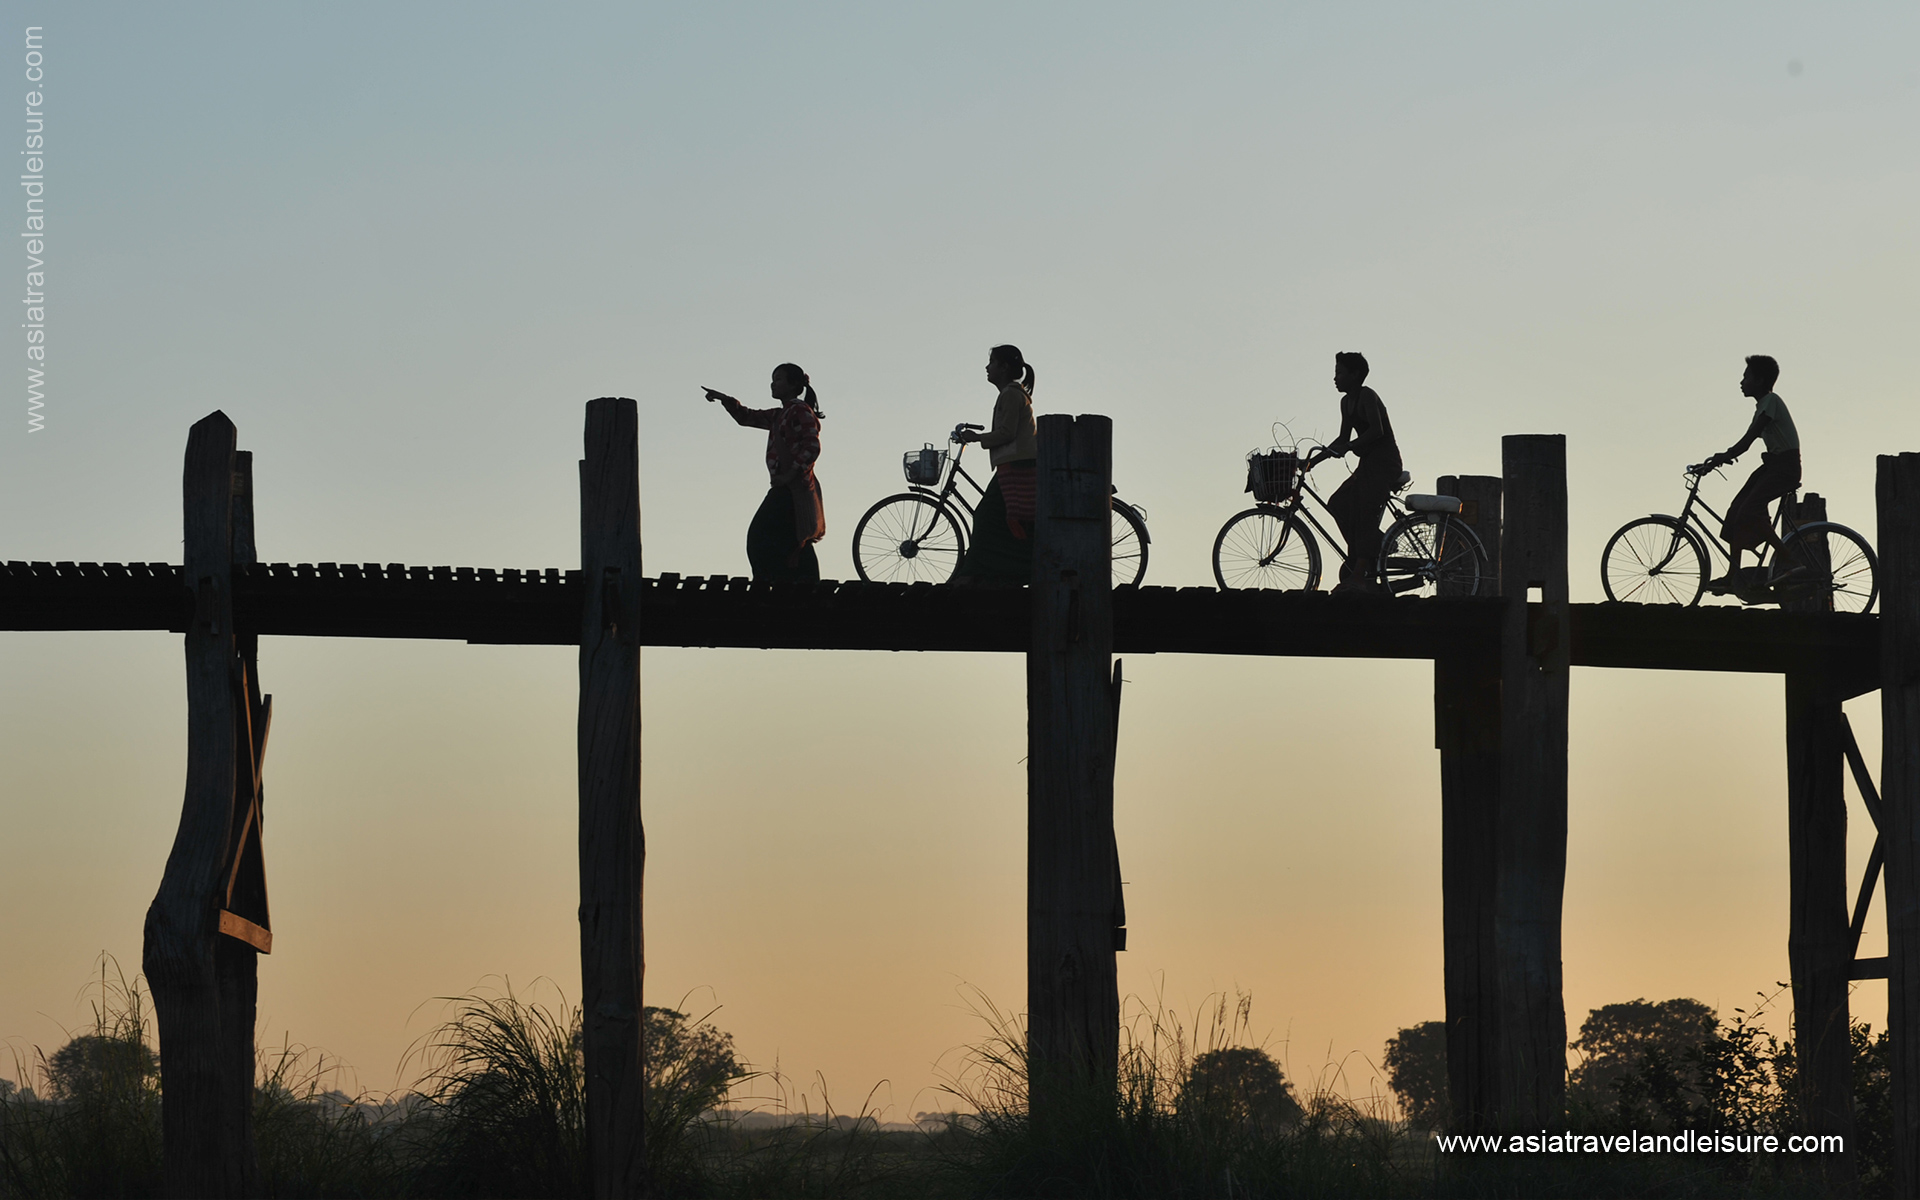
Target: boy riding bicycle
{"points": [[1777, 476], [1357, 505]]}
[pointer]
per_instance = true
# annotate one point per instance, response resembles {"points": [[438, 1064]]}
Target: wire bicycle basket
{"points": [[924, 466], [1272, 475]]}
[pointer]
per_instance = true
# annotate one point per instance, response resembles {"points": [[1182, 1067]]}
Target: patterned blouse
{"points": [[793, 437]]}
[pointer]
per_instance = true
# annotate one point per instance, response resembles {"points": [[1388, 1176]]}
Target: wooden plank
{"points": [[612, 840], [1857, 763], [1531, 832], [238, 927], [1466, 700], [1897, 489], [1073, 1000], [1876, 859], [202, 1151]]}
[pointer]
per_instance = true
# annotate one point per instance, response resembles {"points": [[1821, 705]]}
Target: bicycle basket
{"points": [[1271, 476], [925, 466]]}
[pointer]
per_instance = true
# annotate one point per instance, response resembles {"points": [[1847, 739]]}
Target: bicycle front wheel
{"points": [[1424, 554], [908, 538], [1655, 560], [1824, 567], [1129, 544], [1266, 548]]}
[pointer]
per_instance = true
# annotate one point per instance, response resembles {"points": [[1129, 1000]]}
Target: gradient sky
{"points": [[401, 245]]}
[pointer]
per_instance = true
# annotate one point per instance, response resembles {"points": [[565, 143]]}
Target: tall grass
{"points": [[1150, 1135], [86, 1121], [498, 1110]]}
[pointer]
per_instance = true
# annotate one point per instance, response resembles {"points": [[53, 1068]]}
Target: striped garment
{"points": [[1019, 487]]}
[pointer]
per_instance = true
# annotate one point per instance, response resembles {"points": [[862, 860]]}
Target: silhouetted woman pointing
{"points": [[791, 518], [1002, 548]]}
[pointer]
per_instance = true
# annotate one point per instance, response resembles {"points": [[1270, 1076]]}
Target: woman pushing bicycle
{"points": [[790, 518], [1002, 547], [1777, 476]]}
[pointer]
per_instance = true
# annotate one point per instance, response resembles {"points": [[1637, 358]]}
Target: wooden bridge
{"points": [[1501, 674], [484, 606]]}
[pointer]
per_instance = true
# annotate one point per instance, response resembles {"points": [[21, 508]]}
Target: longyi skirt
{"points": [[772, 537], [1002, 549], [1777, 475]]}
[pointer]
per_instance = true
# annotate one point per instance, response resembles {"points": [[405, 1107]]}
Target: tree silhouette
{"points": [[1416, 1062], [92, 1064], [1615, 1040], [1242, 1085]]}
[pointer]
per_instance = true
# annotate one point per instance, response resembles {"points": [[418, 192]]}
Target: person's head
{"points": [[1006, 365], [1762, 373], [1349, 370], [790, 383]]}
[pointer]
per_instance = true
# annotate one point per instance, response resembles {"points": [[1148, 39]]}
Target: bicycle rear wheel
{"points": [[1655, 560], [1427, 554], [1824, 567], [908, 538], [1265, 548], [1129, 544]]}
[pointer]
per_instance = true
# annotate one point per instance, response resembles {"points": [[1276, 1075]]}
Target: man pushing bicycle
{"points": [[1777, 476]]}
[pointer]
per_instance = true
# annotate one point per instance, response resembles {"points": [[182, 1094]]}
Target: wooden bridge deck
{"points": [[543, 608]]}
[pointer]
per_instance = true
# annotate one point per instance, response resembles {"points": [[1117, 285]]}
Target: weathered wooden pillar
{"points": [[1898, 493], [1819, 932], [243, 921], [613, 848], [1073, 1001], [1466, 707], [202, 1148], [1531, 834]]}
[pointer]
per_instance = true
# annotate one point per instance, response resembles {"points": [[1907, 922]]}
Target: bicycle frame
{"points": [[1689, 519], [1297, 504]]}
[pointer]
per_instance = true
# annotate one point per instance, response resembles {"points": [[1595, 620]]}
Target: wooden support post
{"points": [[202, 1147], [1898, 493], [613, 847], [242, 915], [1073, 1000], [1531, 833], [1819, 934], [1466, 709]]}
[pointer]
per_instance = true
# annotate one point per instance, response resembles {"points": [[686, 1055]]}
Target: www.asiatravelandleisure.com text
{"points": [[1640, 1143]]}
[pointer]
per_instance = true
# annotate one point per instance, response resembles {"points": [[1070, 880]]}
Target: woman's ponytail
{"points": [[813, 402], [1026, 377]]}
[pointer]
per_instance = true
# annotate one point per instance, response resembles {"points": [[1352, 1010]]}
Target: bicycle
{"points": [[1662, 559], [1427, 551], [920, 535]]}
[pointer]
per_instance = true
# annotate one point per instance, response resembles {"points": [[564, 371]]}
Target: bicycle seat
{"points": [[1406, 481], [1433, 504]]}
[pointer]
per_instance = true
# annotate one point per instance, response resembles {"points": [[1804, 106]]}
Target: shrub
{"points": [[1416, 1063]]}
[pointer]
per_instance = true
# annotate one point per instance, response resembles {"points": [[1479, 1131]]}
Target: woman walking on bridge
{"points": [[1002, 549], [791, 518]]}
